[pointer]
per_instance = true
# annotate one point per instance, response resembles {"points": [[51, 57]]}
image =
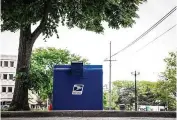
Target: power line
{"points": [[146, 32], [157, 37]]}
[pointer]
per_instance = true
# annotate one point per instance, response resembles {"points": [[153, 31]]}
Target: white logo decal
{"points": [[77, 89]]}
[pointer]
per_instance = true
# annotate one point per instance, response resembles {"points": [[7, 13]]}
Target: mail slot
{"points": [[78, 87]]}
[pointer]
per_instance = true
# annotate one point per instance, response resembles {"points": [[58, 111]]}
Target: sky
{"points": [[95, 47]]}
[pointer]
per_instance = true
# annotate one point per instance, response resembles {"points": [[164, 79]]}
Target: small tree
{"points": [[167, 85], [41, 72]]}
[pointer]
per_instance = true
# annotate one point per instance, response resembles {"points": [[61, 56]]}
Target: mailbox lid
{"points": [[68, 67]]}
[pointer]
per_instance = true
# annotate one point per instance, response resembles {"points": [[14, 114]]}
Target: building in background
{"points": [[8, 65]]}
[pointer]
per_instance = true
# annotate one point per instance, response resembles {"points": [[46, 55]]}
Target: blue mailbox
{"points": [[78, 87]]}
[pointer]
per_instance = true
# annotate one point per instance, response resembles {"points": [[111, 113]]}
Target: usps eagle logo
{"points": [[77, 89]]}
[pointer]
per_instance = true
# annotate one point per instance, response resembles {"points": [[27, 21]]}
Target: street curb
{"points": [[76, 113]]}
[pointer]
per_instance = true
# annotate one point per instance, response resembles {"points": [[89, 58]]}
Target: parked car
{"points": [[4, 107]]}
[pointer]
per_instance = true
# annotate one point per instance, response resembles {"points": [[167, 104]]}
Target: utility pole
{"points": [[166, 97], [135, 74], [165, 79], [110, 65]]}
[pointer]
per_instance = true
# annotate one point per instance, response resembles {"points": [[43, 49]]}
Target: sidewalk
{"points": [[90, 118], [75, 113]]}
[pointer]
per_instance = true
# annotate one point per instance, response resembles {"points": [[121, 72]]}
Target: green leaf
{"points": [[84, 14], [41, 71]]}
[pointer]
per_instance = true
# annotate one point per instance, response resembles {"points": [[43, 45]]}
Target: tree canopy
{"points": [[126, 92], [85, 14]]}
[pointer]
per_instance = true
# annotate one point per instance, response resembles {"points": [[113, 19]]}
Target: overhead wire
{"points": [[146, 32], [156, 38]]}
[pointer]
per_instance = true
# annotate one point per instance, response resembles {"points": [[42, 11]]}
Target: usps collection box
{"points": [[78, 87]]}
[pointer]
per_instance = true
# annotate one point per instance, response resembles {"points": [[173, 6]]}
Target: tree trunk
{"points": [[20, 97]]}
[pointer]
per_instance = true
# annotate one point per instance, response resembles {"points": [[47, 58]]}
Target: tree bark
{"points": [[26, 41], [20, 97]]}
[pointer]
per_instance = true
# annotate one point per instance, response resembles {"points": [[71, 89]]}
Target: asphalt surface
{"points": [[91, 118]]}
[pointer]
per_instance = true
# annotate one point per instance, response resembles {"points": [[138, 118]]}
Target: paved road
{"points": [[79, 118]]}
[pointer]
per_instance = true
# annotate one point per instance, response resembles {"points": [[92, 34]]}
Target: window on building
{"points": [[4, 76], [11, 63], [5, 63], [8, 102], [1, 63], [3, 89], [3, 103], [11, 76], [9, 89]]}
